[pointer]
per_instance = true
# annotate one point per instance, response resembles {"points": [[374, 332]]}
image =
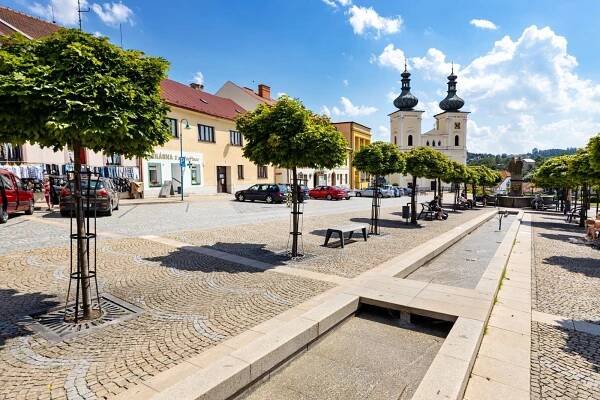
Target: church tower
{"points": [[405, 123], [451, 124]]}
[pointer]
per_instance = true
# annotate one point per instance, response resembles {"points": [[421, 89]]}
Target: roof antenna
{"points": [[452, 73], [79, 11], [404, 64]]}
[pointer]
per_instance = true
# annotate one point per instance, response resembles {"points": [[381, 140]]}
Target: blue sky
{"points": [[527, 70]]}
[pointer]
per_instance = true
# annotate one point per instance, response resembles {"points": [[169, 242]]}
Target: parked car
{"points": [[268, 192], [14, 196], [407, 191], [303, 189], [99, 194], [368, 192], [329, 193], [395, 190]]}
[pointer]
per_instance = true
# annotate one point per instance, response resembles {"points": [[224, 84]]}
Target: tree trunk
{"points": [[295, 214], [440, 191], [82, 250], [413, 201], [597, 201], [473, 188], [584, 205]]}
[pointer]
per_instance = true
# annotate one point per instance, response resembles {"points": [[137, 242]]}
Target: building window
{"points": [[240, 172], [206, 133], [235, 138], [457, 125], [262, 172], [395, 141], [154, 175], [195, 172], [172, 122], [346, 178], [456, 140], [439, 142], [428, 143], [410, 142]]}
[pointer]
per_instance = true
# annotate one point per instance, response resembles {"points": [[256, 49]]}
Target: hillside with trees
{"points": [[500, 161]]}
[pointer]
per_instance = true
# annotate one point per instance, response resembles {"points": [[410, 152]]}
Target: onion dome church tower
{"points": [[452, 102], [406, 101]]}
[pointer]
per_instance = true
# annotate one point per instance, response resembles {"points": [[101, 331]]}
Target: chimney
{"points": [[264, 91], [197, 86]]}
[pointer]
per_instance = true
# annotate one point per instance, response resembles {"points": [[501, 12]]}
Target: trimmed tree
{"points": [[378, 159], [456, 173], [288, 135], [72, 89], [554, 173], [422, 162], [581, 172]]}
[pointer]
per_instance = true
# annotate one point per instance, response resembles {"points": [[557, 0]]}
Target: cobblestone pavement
{"points": [[190, 302], [564, 364], [566, 270], [266, 241]]}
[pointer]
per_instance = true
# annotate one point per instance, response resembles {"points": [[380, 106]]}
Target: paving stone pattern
{"points": [[190, 302], [266, 241], [566, 270], [565, 364]]}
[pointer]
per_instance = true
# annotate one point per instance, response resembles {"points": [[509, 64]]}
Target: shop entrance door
{"points": [[221, 179], [176, 177]]}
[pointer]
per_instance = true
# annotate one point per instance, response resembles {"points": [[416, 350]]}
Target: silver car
{"points": [[368, 192]]}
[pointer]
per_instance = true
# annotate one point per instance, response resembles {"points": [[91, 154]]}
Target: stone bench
{"points": [[340, 230]]}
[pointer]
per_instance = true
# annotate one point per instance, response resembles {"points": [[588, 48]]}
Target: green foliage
{"points": [[74, 89], [593, 148], [553, 173], [425, 162], [580, 169], [456, 173], [379, 159], [500, 161], [288, 135]]}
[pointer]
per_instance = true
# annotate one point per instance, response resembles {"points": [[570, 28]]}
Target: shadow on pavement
{"points": [[14, 306], [579, 265]]}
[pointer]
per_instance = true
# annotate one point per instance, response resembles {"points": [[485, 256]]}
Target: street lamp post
{"points": [[181, 159]]}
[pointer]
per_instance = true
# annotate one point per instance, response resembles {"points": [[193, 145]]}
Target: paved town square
{"points": [[299, 200]]}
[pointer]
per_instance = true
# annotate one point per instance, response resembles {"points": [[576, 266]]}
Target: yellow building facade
{"points": [[357, 136], [212, 148]]}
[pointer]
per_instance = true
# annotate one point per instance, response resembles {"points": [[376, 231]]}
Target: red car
{"points": [[329, 193], [13, 196]]}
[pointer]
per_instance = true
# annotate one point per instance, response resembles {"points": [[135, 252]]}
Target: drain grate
{"points": [[52, 325]]}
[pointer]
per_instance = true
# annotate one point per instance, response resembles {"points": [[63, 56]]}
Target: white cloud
{"points": [[113, 14], [336, 3], [63, 11], [364, 19], [280, 94], [483, 24], [199, 78], [523, 93], [345, 82], [382, 133], [348, 109], [390, 57]]}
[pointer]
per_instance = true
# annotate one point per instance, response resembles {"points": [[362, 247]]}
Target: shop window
{"points": [[206, 133], [113, 159], [235, 138], [240, 172], [172, 122], [195, 172], [263, 172], [456, 140], [410, 140], [154, 175]]}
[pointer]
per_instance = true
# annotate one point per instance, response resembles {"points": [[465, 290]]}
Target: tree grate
{"points": [[52, 324]]}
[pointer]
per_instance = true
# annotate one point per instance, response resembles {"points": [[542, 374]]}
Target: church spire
{"points": [[406, 101], [452, 102]]}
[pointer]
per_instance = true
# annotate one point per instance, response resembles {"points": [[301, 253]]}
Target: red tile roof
{"points": [[34, 28], [180, 95]]}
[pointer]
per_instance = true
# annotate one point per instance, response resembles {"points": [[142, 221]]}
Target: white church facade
{"points": [[449, 135]]}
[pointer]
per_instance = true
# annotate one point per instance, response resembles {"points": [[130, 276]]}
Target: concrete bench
{"points": [[340, 230]]}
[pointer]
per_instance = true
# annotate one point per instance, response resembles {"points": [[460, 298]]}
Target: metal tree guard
{"points": [[375, 206], [72, 314]]}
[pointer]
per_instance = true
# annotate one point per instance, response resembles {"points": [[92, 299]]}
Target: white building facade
{"points": [[449, 135]]}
